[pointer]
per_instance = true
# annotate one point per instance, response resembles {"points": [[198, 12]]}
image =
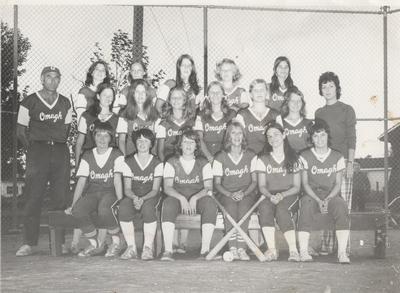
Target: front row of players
{"points": [[237, 177]]}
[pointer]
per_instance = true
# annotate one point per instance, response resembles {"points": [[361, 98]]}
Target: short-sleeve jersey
{"points": [[297, 134], [100, 177], [236, 97], [255, 127], [322, 171], [278, 178], [170, 131], [45, 121], [235, 175], [187, 184], [86, 127], [213, 131], [276, 99], [143, 176]]}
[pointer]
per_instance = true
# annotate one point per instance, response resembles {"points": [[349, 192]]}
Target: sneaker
{"points": [[312, 251], [113, 250], [343, 258], [305, 257], [129, 253], [234, 252], [89, 251], [294, 256], [271, 254], [24, 250], [167, 256], [147, 253], [243, 255], [203, 255]]}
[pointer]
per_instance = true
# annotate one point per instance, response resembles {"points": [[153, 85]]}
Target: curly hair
{"points": [[146, 133], [327, 77], [236, 74], [167, 110], [317, 126], [89, 74]]}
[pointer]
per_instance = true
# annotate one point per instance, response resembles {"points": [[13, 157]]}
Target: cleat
{"points": [[113, 250], [129, 253], [312, 251], [271, 254], [24, 250], [305, 257], [243, 255], [294, 256], [167, 256], [343, 258], [88, 251], [147, 253]]}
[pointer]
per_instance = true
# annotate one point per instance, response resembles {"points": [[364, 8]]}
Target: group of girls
{"points": [[177, 148]]}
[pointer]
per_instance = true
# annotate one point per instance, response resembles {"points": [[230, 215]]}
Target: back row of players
{"points": [[209, 144]]}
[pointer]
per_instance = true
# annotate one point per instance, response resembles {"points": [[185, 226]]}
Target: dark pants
{"points": [[269, 212], [206, 206], [337, 209], [148, 211], [99, 204], [45, 163]]}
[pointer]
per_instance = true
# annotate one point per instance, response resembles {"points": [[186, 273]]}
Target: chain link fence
{"points": [[349, 44]]}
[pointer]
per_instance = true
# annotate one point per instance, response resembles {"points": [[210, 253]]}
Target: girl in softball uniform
{"points": [[100, 110], [136, 71], [188, 182], [293, 119], [279, 182], [139, 113], [255, 118], [321, 179], [227, 72], [280, 82], [99, 186], [142, 181], [97, 73], [186, 78], [235, 180], [212, 121], [176, 114]]}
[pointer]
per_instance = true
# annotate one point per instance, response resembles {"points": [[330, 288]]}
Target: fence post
{"points": [[137, 53], [205, 38], [14, 225]]}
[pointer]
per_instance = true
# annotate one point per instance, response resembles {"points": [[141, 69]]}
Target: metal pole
{"points": [[14, 117], [137, 33], [205, 37]]}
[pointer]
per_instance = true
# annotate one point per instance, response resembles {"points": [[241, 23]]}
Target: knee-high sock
{"points": [[207, 231], [269, 235], [290, 237], [76, 237], [342, 238], [101, 236], [183, 236], [168, 234], [129, 233], [303, 240], [149, 230]]}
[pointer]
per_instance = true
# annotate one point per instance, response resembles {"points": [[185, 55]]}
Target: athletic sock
{"points": [[342, 238], [101, 236], [269, 235], [76, 237], [115, 239], [129, 233], [207, 231], [303, 241], [168, 234], [290, 237], [149, 230]]}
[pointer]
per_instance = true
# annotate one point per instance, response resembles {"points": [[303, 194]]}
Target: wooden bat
{"points": [[236, 226]]}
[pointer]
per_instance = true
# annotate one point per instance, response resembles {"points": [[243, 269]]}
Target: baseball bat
{"points": [[228, 235]]}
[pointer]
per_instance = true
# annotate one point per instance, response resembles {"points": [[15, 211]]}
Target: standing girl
{"points": [[97, 73], [235, 180], [142, 181], [188, 182], [279, 181], [99, 186], [212, 121], [227, 72], [186, 78], [322, 178], [255, 118], [138, 113], [280, 82]]}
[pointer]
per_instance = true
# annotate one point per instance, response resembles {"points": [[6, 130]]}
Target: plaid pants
{"points": [[328, 237]]}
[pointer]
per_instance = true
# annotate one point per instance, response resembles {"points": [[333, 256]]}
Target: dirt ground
{"points": [[44, 273]]}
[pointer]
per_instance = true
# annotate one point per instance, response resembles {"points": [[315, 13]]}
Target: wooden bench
{"points": [[359, 221]]}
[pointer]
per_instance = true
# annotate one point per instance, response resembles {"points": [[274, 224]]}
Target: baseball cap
{"points": [[51, 69]]}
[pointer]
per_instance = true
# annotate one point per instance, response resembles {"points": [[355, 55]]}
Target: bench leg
{"points": [[56, 239]]}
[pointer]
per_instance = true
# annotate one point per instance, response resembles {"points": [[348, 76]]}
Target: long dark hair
{"points": [[95, 108], [274, 87], [285, 105], [206, 112], [131, 110], [291, 158], [89, 76], [193, 82]]}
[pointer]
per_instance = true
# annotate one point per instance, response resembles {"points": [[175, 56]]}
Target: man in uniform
{"points": [[44, 119]]}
